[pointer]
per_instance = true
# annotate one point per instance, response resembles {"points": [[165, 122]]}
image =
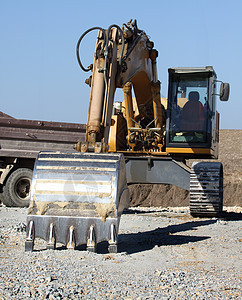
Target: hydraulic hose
{"points": [[105, 48], [79, 42], [122, 35]]}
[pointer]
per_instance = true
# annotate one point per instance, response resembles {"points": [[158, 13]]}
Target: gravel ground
{"points": [[163, 254]]}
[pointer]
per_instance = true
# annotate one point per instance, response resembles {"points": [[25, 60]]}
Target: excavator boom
{"points": [[124, 58], [78, 198]]}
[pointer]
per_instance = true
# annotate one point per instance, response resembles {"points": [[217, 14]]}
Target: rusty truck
{"points": [[20, 142]]}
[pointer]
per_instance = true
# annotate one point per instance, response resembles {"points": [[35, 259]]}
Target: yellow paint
{"points": [[164, 102], [189, 150], [180, 101], [113, 135]]}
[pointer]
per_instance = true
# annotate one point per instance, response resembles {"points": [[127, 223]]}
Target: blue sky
{"points": [[39, 75]]}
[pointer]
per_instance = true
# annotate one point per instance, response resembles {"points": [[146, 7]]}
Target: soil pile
{"points": [[165, 195]]}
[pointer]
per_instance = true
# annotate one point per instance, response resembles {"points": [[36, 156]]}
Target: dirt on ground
{"points": [[165, 195], [162, 254]]}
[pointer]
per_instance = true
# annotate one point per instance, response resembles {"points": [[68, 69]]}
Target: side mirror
{"points": [[224, 91]]}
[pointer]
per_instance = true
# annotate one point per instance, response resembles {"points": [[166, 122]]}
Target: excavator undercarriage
{"points": [[78, 197]]}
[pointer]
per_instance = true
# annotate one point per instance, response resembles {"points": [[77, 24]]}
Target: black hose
{"points": [[79, 42], [122, 35], [134, 44]]}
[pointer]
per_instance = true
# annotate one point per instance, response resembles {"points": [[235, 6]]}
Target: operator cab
{"points": [[192, 123]]}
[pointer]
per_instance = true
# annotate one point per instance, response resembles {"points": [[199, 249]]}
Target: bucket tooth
{"points": [[51, 245], [113, 247], [91, 240], [77, 199], [71, 242], [29, 242]]}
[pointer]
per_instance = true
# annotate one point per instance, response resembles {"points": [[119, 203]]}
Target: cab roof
{"points": [[192, 70]]}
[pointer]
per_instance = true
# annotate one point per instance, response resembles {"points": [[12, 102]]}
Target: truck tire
{"points": [[1, 197], [4, 201], [16, 191]]}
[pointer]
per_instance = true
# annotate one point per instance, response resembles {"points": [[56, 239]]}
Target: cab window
{"points": [[188, 114]]}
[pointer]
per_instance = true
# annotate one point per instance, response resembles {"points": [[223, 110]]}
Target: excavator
{"points": [[77, 197]]}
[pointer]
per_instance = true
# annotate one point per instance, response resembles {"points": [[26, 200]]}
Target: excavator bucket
{"points": [[77, 198]]}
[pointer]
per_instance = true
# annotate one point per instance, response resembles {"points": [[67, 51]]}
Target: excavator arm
{"points": [[124, 58], [78, 198]]}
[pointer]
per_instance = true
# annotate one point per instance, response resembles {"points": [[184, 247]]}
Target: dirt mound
{"points": [[167, 195]]}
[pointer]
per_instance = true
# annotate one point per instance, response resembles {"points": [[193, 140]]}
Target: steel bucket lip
{"points": [[30, 217], [80, 226], [99, 219]]}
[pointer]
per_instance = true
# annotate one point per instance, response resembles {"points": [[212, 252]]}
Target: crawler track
{"points": [[206, 189]]}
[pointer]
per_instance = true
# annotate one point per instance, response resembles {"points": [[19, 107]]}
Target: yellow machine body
{"points": [[78, 198]]}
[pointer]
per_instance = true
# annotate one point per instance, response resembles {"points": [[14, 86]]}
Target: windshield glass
{"points": [[188, 122]]}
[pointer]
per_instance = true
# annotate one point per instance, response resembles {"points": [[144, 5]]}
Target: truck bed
{"points": [[25, 138]]}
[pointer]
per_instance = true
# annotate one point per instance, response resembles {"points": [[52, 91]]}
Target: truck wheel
{"points": [[16, 191], [4, 201], [1, 197]]}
